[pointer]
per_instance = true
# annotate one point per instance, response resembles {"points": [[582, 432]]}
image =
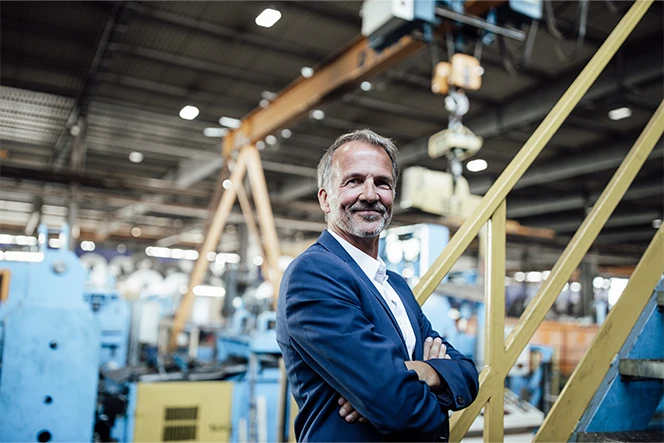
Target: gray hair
{"points": [[362, 135]]}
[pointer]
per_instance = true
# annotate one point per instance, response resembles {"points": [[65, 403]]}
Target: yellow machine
{"points": [[183, 411]]}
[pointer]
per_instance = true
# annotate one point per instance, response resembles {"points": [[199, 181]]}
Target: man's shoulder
{"points": [[314, 254]]}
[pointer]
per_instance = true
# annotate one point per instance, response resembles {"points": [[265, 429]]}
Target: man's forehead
{"points": [[349, 147]]}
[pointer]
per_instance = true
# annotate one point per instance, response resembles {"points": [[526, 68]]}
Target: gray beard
{"points": [[349, 225]]}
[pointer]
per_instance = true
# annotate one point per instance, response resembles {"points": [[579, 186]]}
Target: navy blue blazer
{"points": [[339, 338]]}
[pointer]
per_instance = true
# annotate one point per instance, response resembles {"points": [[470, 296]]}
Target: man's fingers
{"points": [[348, 412], [443, 351], [435, 348], [447, 357], [427, 347], [350, 418]]}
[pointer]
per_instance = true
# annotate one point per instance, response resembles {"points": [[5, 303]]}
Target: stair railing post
{"points": [[494, 329]]}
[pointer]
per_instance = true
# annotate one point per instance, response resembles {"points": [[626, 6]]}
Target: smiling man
{"points": [[362, 360]]}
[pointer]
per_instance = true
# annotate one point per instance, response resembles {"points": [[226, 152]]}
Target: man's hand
{"points": [[348, 412], [434, 348], [427, 374]]}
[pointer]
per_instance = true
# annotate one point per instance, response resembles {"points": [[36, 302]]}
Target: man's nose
{"points": [[369, 191]]}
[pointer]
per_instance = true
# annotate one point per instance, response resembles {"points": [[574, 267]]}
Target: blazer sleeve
{"points": [[458, 372], [329, 329]]}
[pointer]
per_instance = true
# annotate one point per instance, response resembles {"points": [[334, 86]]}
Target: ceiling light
{"points": [[209, 291], [121, 248], [366, 86], [230, 122], [268, 18], [286, 133], [477, 165], [307, 72], [620, 113], [479, 70], [598, 282], [534, 277], [269, 95], [136, 231], [264, 103], [24, 256], [189, 112], [258, 260], [54, 243], [519, 276], [227, 184], [215, 132], [260, 144], [136, 157], [271, 139], [317, 114], [575, 286], [656, 223], [88, 245]]}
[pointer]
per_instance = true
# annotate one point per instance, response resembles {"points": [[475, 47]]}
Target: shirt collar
{"points": [[374, 269]]}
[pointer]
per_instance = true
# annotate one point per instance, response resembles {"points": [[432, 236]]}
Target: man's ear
{"points": [[323, 200]]}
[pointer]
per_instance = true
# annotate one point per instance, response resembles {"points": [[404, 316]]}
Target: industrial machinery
{"points": [[385, 22], [113, 315], [49, 349]]}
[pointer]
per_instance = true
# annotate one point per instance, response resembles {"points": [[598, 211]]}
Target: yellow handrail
{"points": [[493, 376], [501, 355], [528, 153]]}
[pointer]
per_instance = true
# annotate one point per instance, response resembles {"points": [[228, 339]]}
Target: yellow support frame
{"points": [[501, 354], [531, 149], [494, 330]]}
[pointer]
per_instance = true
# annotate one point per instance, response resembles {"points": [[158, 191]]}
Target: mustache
{"points": [[375, 206]]}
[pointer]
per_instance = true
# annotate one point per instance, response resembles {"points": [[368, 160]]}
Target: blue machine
{"points": [[114, 317], [256, 394], [410, 250], [49, 351]]}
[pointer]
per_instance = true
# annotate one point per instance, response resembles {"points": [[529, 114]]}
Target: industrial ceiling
{"points": [[85, 84]]}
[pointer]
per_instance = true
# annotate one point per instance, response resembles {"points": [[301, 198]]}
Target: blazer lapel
{"points": [[331, 244]]}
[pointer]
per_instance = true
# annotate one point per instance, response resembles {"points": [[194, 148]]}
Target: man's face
{"points": [[361, 190]]}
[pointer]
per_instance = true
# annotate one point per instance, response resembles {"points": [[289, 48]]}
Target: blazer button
{"points": [[460, 400]]}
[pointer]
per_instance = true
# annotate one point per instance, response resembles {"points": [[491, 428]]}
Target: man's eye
{"points": [[352, 182], [385, 185]]}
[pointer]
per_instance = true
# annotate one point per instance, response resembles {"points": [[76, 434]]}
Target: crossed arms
{"points": [[331, 329]]}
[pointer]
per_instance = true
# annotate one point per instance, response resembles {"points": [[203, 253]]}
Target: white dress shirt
{"points": [[377, 273]]}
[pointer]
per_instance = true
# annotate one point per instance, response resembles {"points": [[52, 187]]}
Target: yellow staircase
{"points": [[500, 353]]}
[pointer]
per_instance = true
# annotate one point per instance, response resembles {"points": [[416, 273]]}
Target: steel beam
{"points": [[398, 109], [60, 149], [179, 92], [525, 208], [569, 223], [358, 62], [268, 81], [234, 36], [600, 159]]}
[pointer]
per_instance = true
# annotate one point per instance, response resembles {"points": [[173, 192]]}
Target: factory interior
{"points": [[158, 174]]}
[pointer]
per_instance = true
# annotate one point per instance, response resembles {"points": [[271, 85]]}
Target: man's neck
{"points": [[368, 245]]}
